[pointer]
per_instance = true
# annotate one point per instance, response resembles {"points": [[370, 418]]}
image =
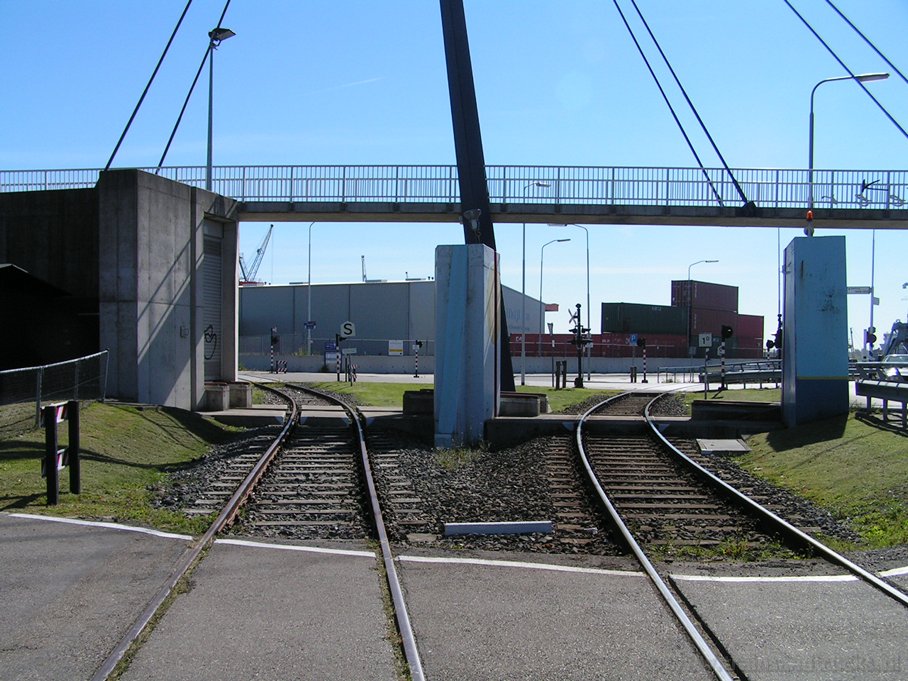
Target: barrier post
{"points": [[72, 449], [51, 473]]}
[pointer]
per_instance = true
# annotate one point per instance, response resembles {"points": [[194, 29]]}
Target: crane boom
{"points": [[250, 272]]}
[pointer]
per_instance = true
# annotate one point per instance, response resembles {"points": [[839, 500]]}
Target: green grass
{"points": [[851, 467], [392, 394], [125, 450]]}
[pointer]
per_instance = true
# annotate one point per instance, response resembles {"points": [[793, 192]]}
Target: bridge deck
{"points": [[876, 199]]}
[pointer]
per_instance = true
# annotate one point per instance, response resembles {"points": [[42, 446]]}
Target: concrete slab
{"points": [[710, 446], [70, 591], [496, 620], [790, 629], [275, 612]]}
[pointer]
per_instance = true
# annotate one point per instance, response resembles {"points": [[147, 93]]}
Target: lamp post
{"points": [[523, 292], [588, 324], [541, 304], [215, 36], [309, 297], [861, 78], [690, 305]]}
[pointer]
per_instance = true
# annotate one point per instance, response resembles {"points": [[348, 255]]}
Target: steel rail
{"points": [[408, 638], [667, 596], [778, 522], [191, 555]]}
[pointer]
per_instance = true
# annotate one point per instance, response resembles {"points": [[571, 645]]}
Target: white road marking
{"points": [[294, 547], [95, 523]]}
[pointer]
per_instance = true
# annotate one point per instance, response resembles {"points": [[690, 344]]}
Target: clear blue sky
{"points": [[558, 83]]}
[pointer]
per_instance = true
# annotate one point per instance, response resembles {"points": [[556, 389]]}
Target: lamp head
{"points": [[866, 77], [220, 34]]}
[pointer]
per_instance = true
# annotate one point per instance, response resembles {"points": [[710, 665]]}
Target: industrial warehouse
{"points": [[395, 322]]}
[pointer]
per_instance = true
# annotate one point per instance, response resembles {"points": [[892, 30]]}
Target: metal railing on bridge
{"points": [[544, 185]]}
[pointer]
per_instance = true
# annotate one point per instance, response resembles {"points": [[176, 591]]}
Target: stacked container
{"points": [[710, 307]]}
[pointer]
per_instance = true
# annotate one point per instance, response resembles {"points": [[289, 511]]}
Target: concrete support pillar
{"points": [[150, 285], [467, 363], [815, 339]]}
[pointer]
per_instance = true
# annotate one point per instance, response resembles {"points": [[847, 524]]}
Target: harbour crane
{"points": [[248, 278]]}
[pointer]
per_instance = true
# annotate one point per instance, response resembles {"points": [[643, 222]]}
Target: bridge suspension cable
{"points": [[690, 104], [189, 94], [868, 41], [668, 103], [148, 86], [845, 66]]}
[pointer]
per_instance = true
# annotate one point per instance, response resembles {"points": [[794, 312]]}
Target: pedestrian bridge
{"points": [[869, 199]]}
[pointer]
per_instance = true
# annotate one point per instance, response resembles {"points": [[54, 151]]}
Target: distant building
{"points": [[382, 312]]}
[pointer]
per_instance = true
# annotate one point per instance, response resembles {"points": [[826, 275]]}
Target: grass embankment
{"points": [[852, 467], [125, 450]]}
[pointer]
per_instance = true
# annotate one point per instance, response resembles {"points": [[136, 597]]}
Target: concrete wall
{"points": [[151, 233]]}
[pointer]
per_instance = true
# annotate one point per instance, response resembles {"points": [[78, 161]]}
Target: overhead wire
{"points": [[189, 94], [868, 41], [668, 103], [845, 66], [691, 104], [148, 86]]}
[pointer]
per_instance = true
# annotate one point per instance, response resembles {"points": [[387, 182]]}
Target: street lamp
{"points": [[861, 78], [541, 304], [588, 325], [523, 291], [690, 304], [309, 296], [216, 37]]}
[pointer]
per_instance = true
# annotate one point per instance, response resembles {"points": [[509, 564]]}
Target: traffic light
{"points": [[274, 336], [727, 332], [770, 345], [641, 342], [870, 336]]}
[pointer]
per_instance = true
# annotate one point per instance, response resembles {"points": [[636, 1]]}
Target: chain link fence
{"points": [[23, 392]]}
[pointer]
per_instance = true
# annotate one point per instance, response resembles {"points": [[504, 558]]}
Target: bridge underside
{"points": [[587, 214]]}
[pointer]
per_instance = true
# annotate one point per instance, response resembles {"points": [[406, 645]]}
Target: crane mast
{"points": [[250, 271]]}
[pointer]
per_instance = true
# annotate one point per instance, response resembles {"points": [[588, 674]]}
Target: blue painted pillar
{"points": [[467, 328], [815, 339]]}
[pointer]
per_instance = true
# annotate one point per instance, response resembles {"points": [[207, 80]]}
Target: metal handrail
{"points": [[868, 189]]}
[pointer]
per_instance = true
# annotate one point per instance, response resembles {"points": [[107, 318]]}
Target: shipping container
{"points": [[704, 295], [749, 325], [638, 318], [711, 321]]}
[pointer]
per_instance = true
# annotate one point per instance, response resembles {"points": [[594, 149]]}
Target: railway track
{"points": [[662, 502], [312, 481], [655, 496]]}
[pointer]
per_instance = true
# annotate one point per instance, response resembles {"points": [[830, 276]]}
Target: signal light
{"points": [[641, 342], [727, 332], [869, 337]]}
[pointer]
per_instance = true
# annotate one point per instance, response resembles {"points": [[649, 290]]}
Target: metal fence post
{"points": [[38, 396]]}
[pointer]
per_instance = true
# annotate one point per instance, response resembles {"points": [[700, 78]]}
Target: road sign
{"points": [[348, 329], [310, 325], [706, 340], [858, 290], [874, 300], [632, 339]]}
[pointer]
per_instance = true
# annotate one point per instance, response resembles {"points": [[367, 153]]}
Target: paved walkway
{"points": [[277, 611]]}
